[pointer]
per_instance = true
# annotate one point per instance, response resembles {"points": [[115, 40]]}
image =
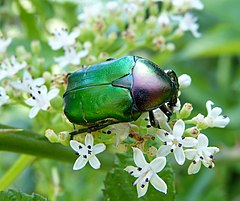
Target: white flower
{"points": [[187, 4], [175, 142], [87, 152], [214, 119], [4, 43], [163, 19], [188, 23], [202, 154], [63, 39], [130, 9], [91, 11], [27, 82], [112, 6], [40, 99], [146, 173], [4, 98], [71, 57], [10, 66], [184, 81]]}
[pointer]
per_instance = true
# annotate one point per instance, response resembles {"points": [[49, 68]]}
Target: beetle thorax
{"points": [[151, 86]]}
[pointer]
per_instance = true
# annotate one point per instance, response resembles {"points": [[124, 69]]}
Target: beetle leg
{"points": [[153, 120], [110, 59], [87, 130], [166, 111], [92, 128]]}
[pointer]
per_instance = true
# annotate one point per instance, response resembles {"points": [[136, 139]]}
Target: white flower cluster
{"points": [[61, 39], [184, 143], [39, 95], [107, 25]]}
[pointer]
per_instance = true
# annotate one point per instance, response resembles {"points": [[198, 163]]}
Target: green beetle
{"points": [[118, 90]]}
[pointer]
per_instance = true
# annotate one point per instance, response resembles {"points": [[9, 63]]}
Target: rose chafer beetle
{"points": [[118, 90]]}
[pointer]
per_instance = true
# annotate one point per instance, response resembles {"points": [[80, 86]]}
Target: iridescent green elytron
{"points": [[118, 90]]}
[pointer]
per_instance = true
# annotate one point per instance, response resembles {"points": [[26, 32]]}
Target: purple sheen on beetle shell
{"points": [[151, 86]]}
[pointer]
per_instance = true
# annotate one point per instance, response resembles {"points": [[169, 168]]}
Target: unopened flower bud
{"points": [[51, 136], [64, 138], [184, 81], [20, 51], [112, 37], [36, 46], [193, 131], [47, 76], [152, 151], [186, 110], [170, 47]]}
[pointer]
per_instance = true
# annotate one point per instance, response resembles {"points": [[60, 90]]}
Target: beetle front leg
{"points": [[153, 120], [166, 111]]}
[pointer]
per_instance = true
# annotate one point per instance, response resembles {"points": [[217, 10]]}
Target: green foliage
{"points": [[12, 195], [118, 183]]}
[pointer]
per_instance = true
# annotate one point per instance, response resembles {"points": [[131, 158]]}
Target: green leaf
{"points": [[6, 131], [28, 142], [118, 183], [12, 195]]}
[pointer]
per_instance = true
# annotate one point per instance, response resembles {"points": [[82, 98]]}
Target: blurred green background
{"points": [[212, 61]]}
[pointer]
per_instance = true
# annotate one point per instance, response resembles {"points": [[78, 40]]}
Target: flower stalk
{"points": [[15, 170]]}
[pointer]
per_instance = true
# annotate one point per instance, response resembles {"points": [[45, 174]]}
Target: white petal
{"points": [[73, 35], [76, 146], [33, 112], [161, 135], [212, 150], [194, 168], [202, 141], [39, 81], [30, 102], [94, 162], [62, 61], [158, 183], [158, 164], [189, 142], [179, 155], [82, 53], [178, 128], [80, 163], [221, 121], [215, 112], [142, 191], [164, 150], [98, 148], [89, 140], [52, 94], [209, 106], [19, 86], [190, 153], [139, 158], [133, 171], [55, 45], [43, 89]]}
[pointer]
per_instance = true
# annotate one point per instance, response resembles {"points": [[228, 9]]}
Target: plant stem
{"points": [[35, 144], [16, 169]]}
